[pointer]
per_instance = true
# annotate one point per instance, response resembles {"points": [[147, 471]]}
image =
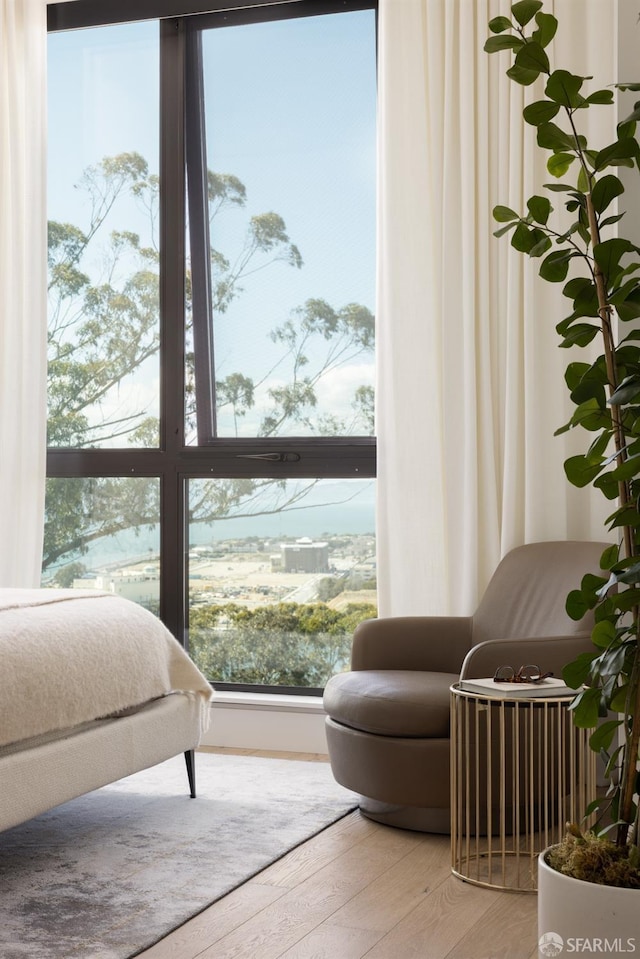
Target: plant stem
{"points": [[605, 310], [632, 747]]}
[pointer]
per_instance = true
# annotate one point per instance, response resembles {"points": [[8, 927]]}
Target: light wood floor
{"points": [[359, 889]]}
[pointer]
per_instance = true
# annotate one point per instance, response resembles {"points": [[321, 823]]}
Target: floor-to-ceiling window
{"points": [[211, 324]]}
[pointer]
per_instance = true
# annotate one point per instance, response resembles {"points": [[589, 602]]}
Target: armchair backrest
{"points": [[527, 593]]}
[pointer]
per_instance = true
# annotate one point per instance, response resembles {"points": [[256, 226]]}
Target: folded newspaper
{"points": [[546, 687]]}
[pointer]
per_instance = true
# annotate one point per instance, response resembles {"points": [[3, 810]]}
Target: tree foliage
{"points": [[603, 287], [284, 644]]}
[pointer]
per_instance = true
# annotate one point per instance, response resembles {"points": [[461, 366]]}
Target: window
{"points": [[211, 328]]}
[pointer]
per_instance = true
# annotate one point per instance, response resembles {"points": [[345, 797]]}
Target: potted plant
{"points": [[581, 245]]}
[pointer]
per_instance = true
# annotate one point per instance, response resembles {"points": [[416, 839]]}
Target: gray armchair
{"points": [[387, 719]]}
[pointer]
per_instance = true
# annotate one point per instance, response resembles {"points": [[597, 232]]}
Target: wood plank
{"points": [[515, 916], [401, 888], [437, 925], [306, 859], [333, 942]]}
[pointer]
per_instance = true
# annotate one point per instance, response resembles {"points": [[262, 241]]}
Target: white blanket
{"points": [[69, 656]]}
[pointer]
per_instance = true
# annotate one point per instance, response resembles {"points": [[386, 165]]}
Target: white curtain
{"points": [[470, 380], [23, 232]]}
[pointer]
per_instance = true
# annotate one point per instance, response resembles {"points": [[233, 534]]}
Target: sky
{"points": [[290, 110]]}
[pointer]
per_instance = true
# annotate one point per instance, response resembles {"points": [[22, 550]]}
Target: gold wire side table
{"points": [[520, 771]]}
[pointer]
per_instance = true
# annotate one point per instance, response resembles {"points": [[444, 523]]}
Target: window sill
{"points": [[267, 701], [267, 721]]}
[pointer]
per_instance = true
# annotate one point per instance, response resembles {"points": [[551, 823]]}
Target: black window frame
{"points": [[182, 155]]}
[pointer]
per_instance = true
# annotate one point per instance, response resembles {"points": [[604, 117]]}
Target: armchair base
{"points": [[416, 818]]}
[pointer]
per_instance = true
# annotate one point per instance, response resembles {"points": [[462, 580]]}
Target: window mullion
{"points": [[172, 322], [200, 244]]}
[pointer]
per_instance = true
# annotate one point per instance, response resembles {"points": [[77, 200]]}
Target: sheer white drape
{"points": [[470, 380], [23, 231]]}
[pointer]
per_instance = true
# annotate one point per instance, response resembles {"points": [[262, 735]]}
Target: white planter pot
{"points": [[576, 917]]}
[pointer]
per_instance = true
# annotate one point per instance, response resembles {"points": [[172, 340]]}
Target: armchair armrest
{"points": [[430, 643], [550, 653]]}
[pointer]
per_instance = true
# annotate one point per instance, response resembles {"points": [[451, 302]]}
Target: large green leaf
{"points": [[610, 220], [504, 214], [630, 308], [589, 388], [495, 44], [608, 255], [617, 153], [620, 292], [627, 600], [525, 238], [577, 285], [618, 703], [539, 207], [598, 448], [522, 76], [578, 671], [551, 137], [559, 163], [579, 334], [626, 516], [580, 472], [626, 129], [555, 267], [575, 374], [504, 229], [499, 24], [541, 111], [547, 27], [605, 191], [586, 708], [525, 10], [600, 96], [584, 183], [611, 663], [564, 88], [603, 634], [627, 470], [627, 391], [603, 736], [607, 486], [609, 557], [559, 187], [531, 56]]}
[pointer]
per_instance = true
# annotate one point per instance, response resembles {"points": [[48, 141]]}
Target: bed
{"points": [[92, 688]]}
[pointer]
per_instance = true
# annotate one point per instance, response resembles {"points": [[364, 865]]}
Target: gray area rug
{"points": [[108, 874]]}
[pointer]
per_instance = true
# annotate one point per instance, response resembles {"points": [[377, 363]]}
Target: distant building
{"points": [[141, 586], [305, 556]]}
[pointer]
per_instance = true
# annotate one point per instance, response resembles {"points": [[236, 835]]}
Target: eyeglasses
{"points": [[526, 674]]}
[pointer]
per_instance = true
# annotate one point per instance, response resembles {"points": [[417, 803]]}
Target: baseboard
{"points": [[272, 722]]}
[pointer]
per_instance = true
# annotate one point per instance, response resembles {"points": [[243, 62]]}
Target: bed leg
{"points": [[191, 771]]}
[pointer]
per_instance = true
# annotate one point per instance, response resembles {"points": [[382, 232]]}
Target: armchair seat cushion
{"points": [[392, 702]]}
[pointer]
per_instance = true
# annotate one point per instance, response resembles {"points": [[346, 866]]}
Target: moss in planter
{"points": [[594, 859]]}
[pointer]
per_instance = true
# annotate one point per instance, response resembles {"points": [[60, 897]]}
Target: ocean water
{"points": [[354, 518]]}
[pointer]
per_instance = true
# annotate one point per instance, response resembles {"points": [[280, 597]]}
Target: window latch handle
{"points": [[271, 457]]}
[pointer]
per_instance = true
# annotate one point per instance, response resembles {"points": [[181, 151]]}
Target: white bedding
{"points": [[71, 656]]}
